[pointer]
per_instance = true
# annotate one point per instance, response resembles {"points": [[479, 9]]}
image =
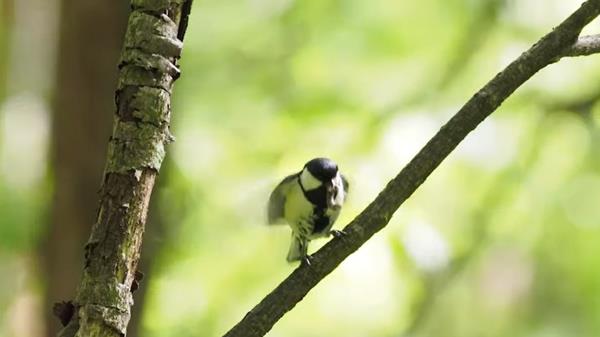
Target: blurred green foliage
{"points": [[502, 240]]}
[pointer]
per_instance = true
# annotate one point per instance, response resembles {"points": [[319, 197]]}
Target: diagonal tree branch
{"points": [[148, 69], [562, 40], [496, 196]]}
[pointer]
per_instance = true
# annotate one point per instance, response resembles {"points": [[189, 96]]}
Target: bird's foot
{"points": [[337, 233], [306, 260]]}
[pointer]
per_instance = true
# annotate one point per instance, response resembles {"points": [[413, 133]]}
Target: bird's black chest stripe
{"points": [[317, 197], [321, 221]]}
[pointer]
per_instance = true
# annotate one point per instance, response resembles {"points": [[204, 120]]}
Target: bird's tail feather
{"points": [[298, 249]]}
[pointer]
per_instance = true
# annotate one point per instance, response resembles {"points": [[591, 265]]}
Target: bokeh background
{"points": [[502, 240]]}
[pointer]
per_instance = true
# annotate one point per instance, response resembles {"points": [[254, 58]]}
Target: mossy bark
{"points": [[148, 69], [560, 42]]}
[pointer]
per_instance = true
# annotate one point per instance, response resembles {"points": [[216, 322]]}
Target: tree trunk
{"points": [[148, 68], [91, 33]]}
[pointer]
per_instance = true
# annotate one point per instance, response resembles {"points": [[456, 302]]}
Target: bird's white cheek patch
{"points": [[309, 182]]}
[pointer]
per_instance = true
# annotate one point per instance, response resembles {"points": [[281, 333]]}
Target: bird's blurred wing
{"points": [[277, 200]]}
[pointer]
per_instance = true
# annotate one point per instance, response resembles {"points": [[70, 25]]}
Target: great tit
{"points": [[310, 202]]}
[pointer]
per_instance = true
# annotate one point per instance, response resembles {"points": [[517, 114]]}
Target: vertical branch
{"points": [[80, 127], [148, 69]]}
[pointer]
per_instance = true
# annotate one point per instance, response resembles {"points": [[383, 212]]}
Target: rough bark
{"points": [[550, 48], [148, 69], [158, 239], [86, 77]]}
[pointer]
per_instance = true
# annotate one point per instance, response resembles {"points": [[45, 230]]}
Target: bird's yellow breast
{"points": [[296, 207]]}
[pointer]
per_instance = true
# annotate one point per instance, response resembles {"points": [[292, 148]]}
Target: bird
{"points": [[309, 201]]}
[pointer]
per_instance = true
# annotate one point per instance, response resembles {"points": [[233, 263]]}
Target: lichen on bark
{"points": [[136, 145]]}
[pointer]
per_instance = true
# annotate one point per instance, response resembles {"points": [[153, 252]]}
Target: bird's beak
{"points": [[332, 191]]}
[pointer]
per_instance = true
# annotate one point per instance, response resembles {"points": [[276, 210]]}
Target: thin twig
{"points": [[585, 45]]}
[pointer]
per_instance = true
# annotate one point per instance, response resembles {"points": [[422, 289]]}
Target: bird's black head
{"points": [[322, 168]]}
